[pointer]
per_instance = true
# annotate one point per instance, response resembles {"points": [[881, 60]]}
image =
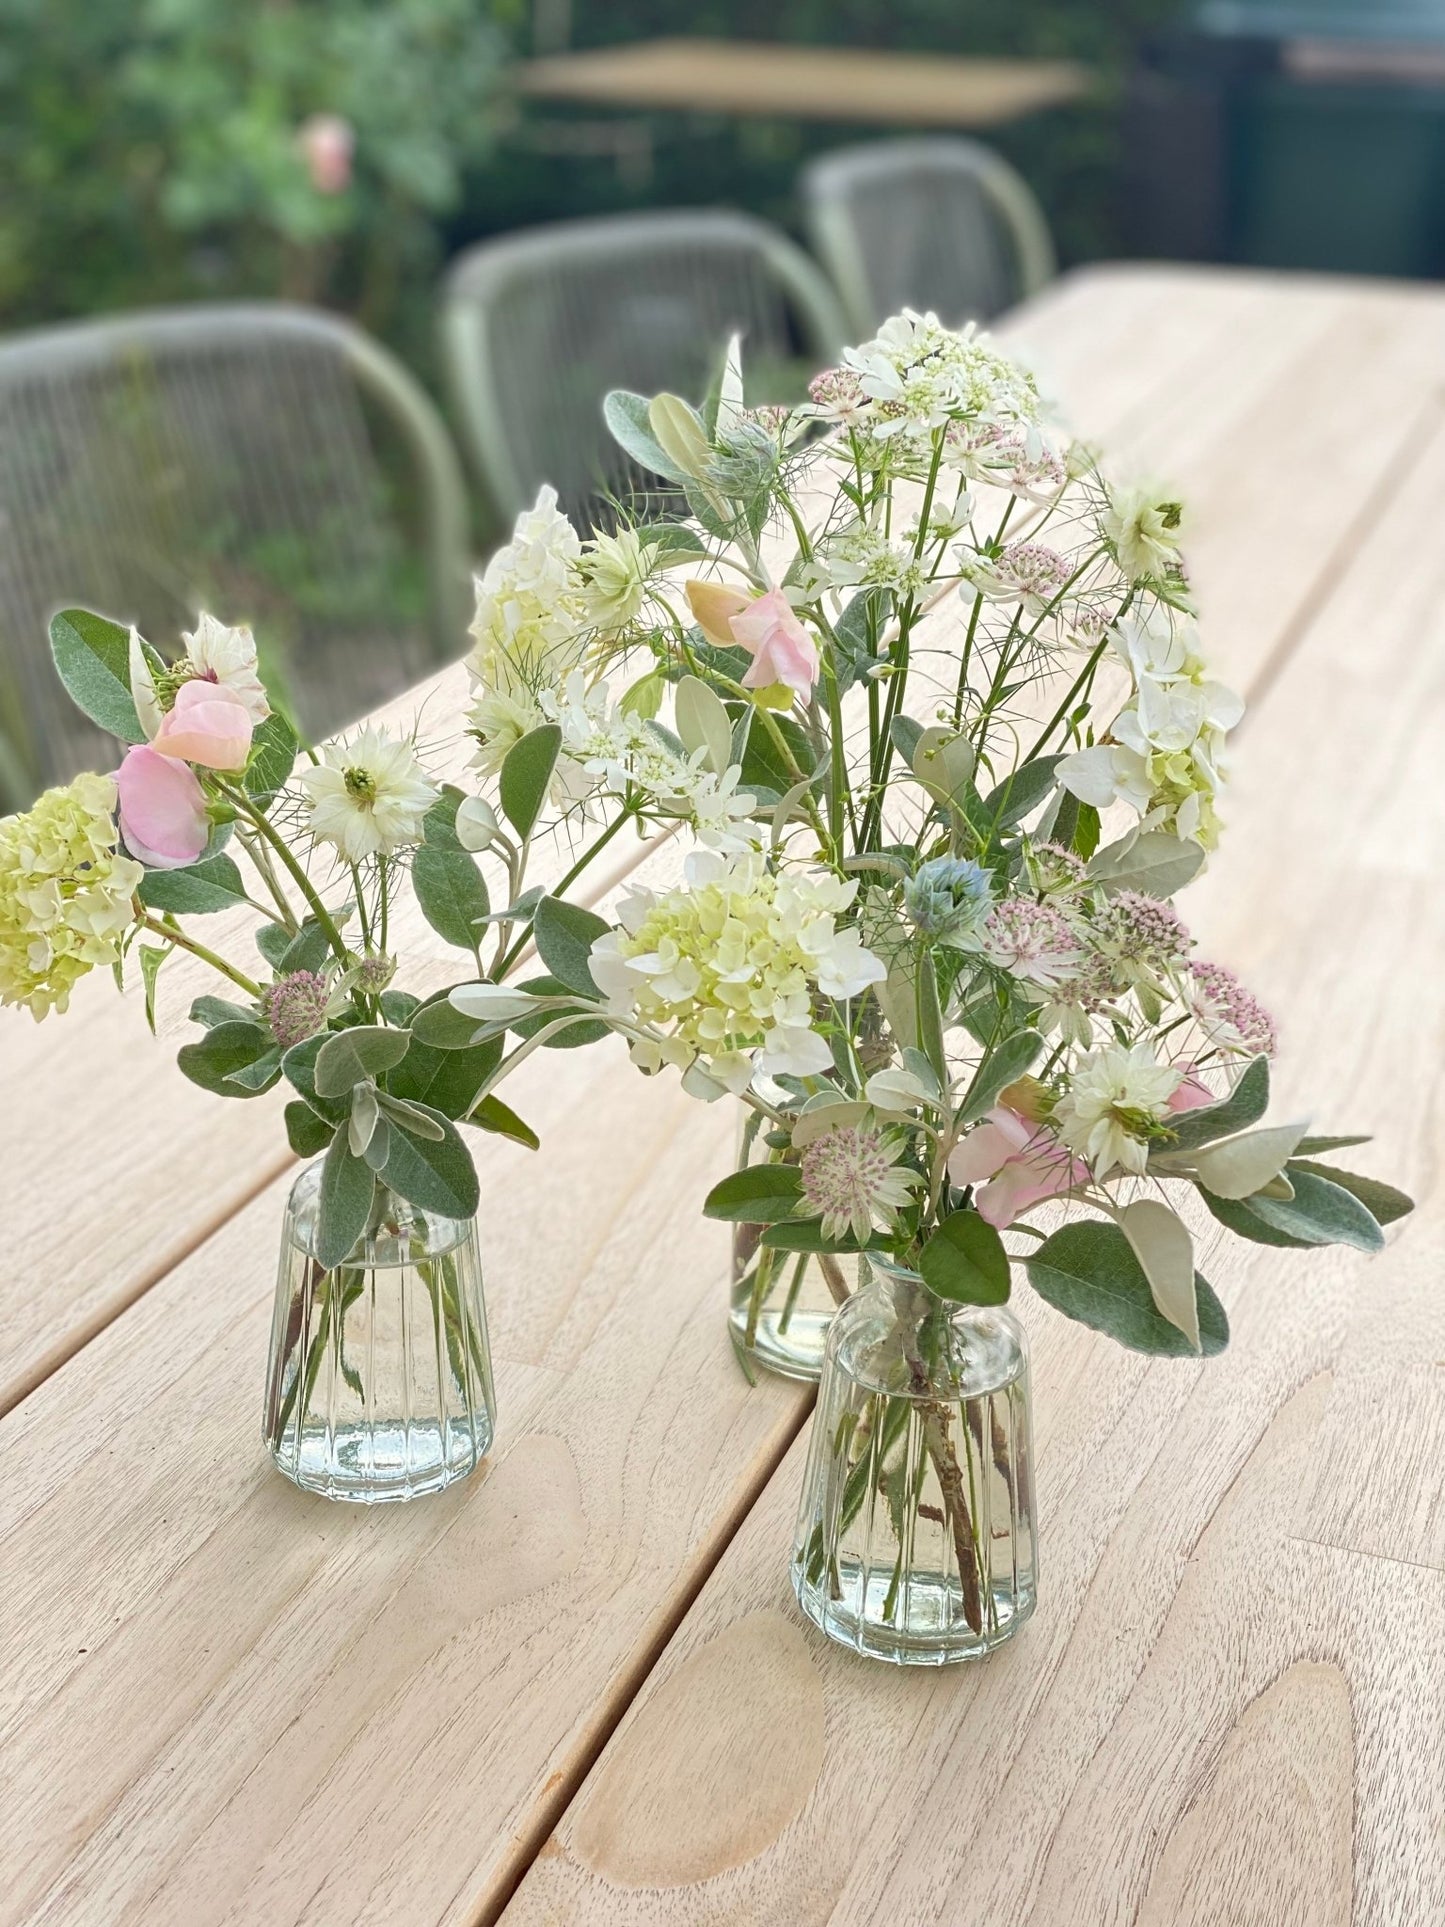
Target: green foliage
{"points": [[965, 1262], [761, 1194], [435, 1173], [92, 656], [219, 1060], [1089, 1272], [349, 1056], [212, 884], [151, 152], [526, 772], [347, 1189], [452, 894], [564, 934]]}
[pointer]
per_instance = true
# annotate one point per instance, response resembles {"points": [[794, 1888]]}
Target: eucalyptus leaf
{"points": [[348, 1056], [92, 656], [1156, 863], [760, 1194], [1089, 1272], [526, 773], [198, 890], [965, 1262], [344, 1210]]}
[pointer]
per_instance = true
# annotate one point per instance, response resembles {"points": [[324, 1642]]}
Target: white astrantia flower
{"points": [[227, 655], [851, 1180], [1117, 1099], [530, 625], [368, 796], [1030, 574], [721, 970]]}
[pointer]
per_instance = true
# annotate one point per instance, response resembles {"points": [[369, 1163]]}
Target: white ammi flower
{"points": [[1116, 1100], [369, 796]]}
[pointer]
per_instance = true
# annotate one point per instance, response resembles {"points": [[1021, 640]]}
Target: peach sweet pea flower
{"points": [[1193, 1092], [209, 724], [1022, 1162], [785, 657], [162, 810]]}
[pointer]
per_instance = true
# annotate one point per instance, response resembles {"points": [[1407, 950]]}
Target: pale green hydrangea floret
{"points": [[726, 965], [66, 893]]}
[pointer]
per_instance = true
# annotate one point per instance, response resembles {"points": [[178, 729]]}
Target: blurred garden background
{"points": [[341, 154]]}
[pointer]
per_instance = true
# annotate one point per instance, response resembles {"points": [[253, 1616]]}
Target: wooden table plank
{"points": [[769, 78], [1230, 1704], [1153, 360]]}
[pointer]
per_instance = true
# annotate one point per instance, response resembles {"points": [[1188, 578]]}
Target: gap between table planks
{"points": [[616, 1358], [1230, 1706], [1178, 367]]}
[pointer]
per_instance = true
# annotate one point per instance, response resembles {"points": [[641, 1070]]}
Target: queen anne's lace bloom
{"points": [[725, 966], [851, 1180], [66, 893]]}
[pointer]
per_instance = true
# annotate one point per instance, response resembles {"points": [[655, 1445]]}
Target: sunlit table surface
{"points": [[575, 1688], [772, 79]]}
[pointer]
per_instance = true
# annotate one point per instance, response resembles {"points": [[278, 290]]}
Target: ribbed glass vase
{"points": [[379, 1382], [782, 1301], [915, 1540]]}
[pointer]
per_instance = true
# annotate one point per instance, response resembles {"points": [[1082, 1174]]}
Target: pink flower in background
{"points": [[162, 810], [209, 724], [327, 144], [781, 648], [1191, 1093], [1022, 1162]]}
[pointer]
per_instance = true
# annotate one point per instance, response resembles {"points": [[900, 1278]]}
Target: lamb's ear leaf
{"points": [[306, 1133], [92, 657], [1321, 1212], [1246, 1104], [347, 1187], [1383, 1202]]}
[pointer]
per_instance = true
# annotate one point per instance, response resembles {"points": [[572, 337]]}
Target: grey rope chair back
{"points": [[265, 462], [538, 326], [944, 224]]}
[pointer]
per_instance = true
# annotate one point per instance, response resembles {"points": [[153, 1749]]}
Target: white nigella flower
{"points": [[1142, 527], [1117, 1098], [614, 571], [225, 655], [851, 1180], [368, 797], [530, 624]]}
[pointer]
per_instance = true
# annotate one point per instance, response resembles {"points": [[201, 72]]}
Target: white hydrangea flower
{"points": [[1117, 1098], [368, 797], [530, 624]]}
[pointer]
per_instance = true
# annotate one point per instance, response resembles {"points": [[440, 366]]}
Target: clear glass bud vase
{"points": [[379, 1382], [915, 1540], [782, 1301]]}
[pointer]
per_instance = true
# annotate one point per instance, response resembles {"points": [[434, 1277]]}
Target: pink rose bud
{"points": [[162, 810], [327, 143], [209, 724], [781, 648]]}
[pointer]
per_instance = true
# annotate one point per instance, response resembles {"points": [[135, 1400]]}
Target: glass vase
{"points": [[915, 1540], [782, 1301], [379, 1382]]}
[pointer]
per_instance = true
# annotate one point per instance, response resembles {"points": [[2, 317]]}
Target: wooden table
{"points": [[772, 79], [574, 1688]]}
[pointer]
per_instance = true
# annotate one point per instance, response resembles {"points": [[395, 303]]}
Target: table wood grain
{"points": [[221, 1700], [769, 78]]}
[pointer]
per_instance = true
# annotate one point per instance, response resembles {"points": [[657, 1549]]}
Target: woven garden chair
{"points": [[538, 326], [943, 224], [265, 462]]}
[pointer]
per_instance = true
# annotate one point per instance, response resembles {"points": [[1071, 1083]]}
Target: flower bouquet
{"points": [[943, 730]]}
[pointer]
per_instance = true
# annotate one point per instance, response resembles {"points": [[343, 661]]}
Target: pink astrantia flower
{"points": [[781, 648], [209, 724], [1015, 1162], [162, 810]]}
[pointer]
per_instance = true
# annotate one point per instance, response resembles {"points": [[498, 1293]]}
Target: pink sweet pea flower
{"points": [[1191, 1093], [1024, 1163], [209, 724], [781, 648], [162, 810]]}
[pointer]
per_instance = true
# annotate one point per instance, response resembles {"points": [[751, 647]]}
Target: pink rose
{"points": [[1023, 1162], [162, 810], [327, 143], [209, 724], [781, 648]]}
